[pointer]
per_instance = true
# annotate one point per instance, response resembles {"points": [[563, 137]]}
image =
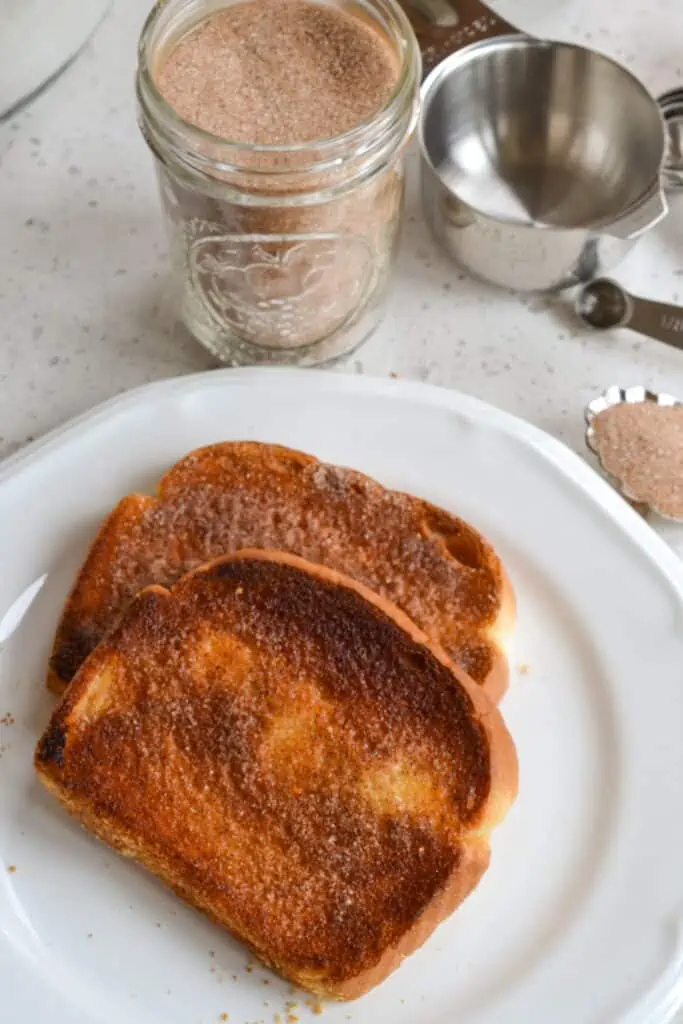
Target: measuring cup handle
{"points": [[658, 320], [472, 11], [446, 26]]}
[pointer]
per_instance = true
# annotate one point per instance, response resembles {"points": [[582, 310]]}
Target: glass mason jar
{"points": [[280, 254]]}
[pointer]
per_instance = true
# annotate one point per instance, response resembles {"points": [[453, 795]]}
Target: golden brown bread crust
{"points": [[236, 495], [291, 755]]}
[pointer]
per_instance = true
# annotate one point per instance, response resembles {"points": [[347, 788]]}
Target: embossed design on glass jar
{"points": [[282, 291]]}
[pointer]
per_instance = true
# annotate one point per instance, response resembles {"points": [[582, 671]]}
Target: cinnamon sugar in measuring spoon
{"points": [[640, 444]]}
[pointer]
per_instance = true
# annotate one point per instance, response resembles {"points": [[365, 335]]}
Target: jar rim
{"points": [[408, 80]]}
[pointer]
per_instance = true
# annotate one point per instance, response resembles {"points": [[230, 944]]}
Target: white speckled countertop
{"points": [[82, 257]]}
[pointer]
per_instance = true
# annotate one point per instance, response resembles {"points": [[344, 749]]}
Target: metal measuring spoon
{"points": [[603, 304]]}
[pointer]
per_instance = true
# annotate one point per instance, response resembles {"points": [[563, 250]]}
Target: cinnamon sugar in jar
{"points": [[279, 129]]}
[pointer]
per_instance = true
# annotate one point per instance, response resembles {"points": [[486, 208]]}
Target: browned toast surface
{"points": [[291, 755], [435, 567]]}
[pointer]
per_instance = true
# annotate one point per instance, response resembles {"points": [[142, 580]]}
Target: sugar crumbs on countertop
{"points": [[12, 869], [7, 719], [224, 1016], [640, 444], [524, 669]]}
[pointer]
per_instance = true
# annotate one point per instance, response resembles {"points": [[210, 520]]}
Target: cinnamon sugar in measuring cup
{"points": [[279, 128], [640, 444]]}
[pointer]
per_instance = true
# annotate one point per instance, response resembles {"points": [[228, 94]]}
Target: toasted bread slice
{"points": [[291, 755], [217, 500]]}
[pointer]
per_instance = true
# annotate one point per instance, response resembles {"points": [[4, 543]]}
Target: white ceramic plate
{"points": [[578, 920]]}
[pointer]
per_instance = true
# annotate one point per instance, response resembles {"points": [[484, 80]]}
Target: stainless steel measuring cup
{"points": [[541, 160]]}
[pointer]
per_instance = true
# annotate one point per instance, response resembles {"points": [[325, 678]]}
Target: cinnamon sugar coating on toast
{"points": [[291, 755], [435, 567]]}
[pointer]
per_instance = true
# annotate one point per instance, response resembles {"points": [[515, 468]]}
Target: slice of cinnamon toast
{"points": [[435, 567], [291, 755]]}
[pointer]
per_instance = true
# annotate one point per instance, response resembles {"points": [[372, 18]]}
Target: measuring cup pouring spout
{"points": [[645, 216]]}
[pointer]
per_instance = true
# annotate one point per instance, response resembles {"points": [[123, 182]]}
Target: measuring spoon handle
{"points": [[659, 320]]}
